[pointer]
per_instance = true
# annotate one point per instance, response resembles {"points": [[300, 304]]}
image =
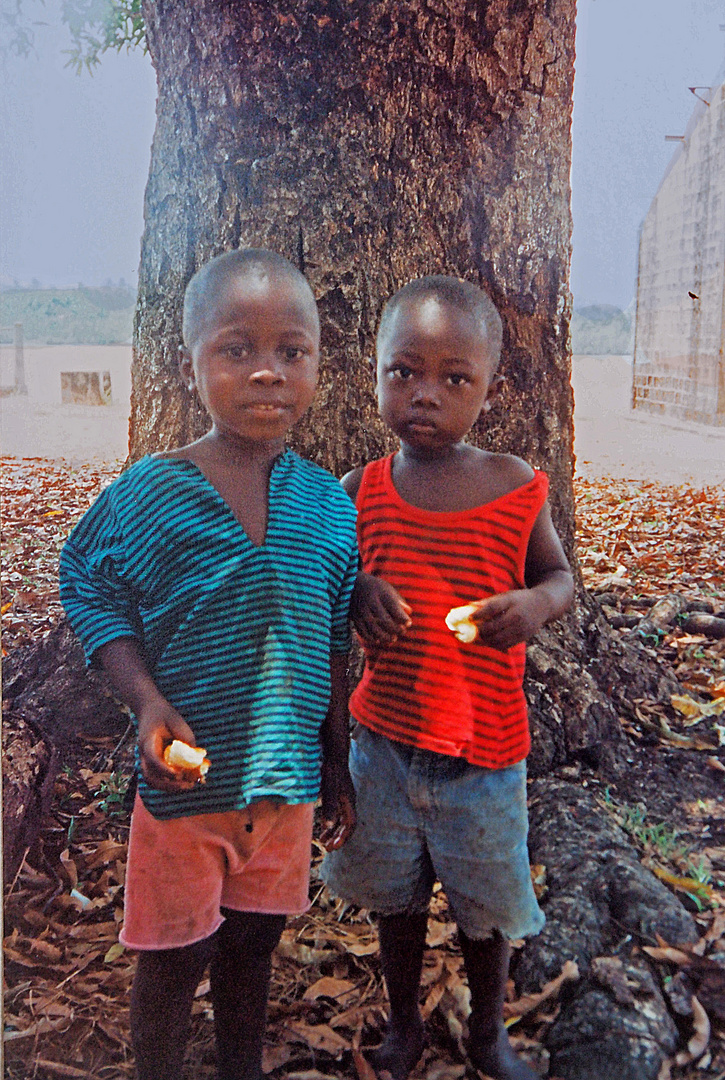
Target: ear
{"points": [[372, 363], [186, 368], [494, 389]]}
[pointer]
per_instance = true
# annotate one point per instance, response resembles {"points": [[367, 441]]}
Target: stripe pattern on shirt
{"points": [[237, 636], [428, 689]]}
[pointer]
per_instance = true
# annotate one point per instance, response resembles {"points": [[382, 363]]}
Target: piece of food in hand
{"points": [[459, 621], [187, 759]]}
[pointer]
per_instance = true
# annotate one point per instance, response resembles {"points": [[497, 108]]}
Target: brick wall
{"points": [[679, 356]]}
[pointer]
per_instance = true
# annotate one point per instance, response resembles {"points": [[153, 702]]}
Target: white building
{"points": [[679, 352]]}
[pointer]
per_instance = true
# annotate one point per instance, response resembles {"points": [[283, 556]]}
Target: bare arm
{"points": [[378, 611], [547, 567], [512, 617], [158, 721], [338, 793]]}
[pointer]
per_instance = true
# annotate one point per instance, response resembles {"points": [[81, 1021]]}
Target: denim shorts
{"points": [[424, 816]]}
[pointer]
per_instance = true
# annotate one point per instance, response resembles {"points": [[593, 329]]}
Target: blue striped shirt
{"points": [[237, 636]]}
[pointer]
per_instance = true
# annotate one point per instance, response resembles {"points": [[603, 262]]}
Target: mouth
{"points": [[421, 427], [267, 408]]}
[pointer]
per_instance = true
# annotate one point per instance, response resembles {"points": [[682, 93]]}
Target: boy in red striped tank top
{"points": [[439, 750]]}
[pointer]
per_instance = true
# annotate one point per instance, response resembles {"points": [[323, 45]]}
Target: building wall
{"points": [[679, 360]]}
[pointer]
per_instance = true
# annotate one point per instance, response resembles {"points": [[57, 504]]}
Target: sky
{"points": [[635, 62], [76, 148]]}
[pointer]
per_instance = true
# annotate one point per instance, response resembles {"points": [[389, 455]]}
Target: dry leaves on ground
{"points": [[67, 979], [42, 500], [654, 557]]}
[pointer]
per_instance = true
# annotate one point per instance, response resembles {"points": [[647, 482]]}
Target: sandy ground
{"points": [[610, 439]]}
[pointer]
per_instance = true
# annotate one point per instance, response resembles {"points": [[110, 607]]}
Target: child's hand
{"points": [[158, 725], [338, 804], [379, 613], [509, 618]]}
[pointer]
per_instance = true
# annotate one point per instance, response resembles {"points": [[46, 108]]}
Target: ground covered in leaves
{"points": [[67, 978]]}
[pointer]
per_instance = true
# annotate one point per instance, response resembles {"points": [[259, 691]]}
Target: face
{"points": [[435, 373], [255, 359]]}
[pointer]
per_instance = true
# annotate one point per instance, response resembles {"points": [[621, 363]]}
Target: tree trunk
{"points": [[370, 142], [30, 763]]}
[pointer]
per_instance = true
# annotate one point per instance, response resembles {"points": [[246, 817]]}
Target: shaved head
{"points": [[209, 283], [451, 291]]}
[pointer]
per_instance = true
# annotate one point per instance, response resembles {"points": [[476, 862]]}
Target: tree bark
{"points": [[370, 142]]}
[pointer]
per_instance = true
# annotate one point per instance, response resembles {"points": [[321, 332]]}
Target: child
{"points": [[213, 585], [438, 755]]}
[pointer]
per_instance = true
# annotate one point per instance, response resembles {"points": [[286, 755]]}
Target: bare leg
{"points": [[487, 966], [240, 973], [402, 943], [161, 998]]}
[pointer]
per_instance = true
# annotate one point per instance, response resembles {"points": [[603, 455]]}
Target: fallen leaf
{"points": [[363, 1068], [529, 1002], [666, 952], [686, 742], [684, 884], [320, 1037], [363, 948], [309, 1074], [327, 986], [665, 1072], [59, 1069], [40, 1027], [113, 953], [275, 1057], [439, 932], [697, 1045], [697, 710]]}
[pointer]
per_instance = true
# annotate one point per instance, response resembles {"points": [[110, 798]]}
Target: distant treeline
{"points": [[602, 330], [101, 315]]}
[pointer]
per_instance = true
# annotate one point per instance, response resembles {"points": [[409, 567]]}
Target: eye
{"points": [[457, 379], [294, 352], [236, 350], [400, 371]]}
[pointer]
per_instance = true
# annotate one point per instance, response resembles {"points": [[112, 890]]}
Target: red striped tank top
{"points": [[428, 689]]}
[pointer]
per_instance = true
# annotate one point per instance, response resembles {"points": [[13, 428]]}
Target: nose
{"points": [[268, 376], [426, 394]]}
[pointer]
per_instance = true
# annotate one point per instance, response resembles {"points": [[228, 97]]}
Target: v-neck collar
{"points": [[222, 502]]}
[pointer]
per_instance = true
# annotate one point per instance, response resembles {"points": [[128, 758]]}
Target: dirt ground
{"points": [[68, 979], [610, 439]]}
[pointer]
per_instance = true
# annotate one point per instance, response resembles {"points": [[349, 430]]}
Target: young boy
{"points": [[438, 755], [213, 585]]}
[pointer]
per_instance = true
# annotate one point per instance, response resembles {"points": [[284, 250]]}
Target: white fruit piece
{"points": [[179, 755], [458, 620]]}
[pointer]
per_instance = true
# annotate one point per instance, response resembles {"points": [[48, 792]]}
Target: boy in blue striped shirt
{"points": [[213, 584]]}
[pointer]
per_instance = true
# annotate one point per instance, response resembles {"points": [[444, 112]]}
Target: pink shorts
{"points": [[182, 871]]}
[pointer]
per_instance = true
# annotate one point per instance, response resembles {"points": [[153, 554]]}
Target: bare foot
{"points": [[496, 1058], [400, 1050]]}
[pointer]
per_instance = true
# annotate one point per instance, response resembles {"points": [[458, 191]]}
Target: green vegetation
{"points": [[661, 841], [95, 26], [99, 25], [658, 839], [112, 793], [83, 316], [602, 330]]}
